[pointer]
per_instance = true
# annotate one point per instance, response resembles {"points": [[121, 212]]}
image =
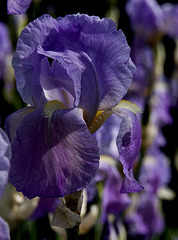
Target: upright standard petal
{"points": [[17, 6], [5, 155], [53, 155], [107, 48], [80, 70], [128, 143], [91, 50]]}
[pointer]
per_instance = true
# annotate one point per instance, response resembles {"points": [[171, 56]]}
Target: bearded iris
{"points": [[73, 72]]}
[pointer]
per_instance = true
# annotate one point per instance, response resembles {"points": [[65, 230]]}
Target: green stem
{"points": [[72, 233]]}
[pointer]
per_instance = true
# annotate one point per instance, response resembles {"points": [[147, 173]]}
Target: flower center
{"points": [[51, 106]]}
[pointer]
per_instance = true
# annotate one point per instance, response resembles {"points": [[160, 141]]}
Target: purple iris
{"points": [[155, 171], [170, 13], [5, 47], [143, 59], [17, 6], [113, 201], [73, 71], [146, 220], [146, 17], [160, 103], [5, 154]]}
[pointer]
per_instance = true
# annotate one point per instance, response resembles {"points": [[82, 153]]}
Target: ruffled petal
{"points": [[50, 155], [91, 50], [4, 230], [17, 6], [5, 155], [128, 143], [107, 48], [27, 63]]}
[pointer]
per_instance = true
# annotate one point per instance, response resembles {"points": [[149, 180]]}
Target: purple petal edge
{"points": [[128, 143]]}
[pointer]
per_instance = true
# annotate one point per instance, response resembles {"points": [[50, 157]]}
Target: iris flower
{"points": [[5, 154], [146, 219], [73, 72], [5, 48], [113, 201], [155, 172]]}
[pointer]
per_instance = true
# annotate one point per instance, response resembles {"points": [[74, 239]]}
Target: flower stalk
{"points": [[72, 233]]}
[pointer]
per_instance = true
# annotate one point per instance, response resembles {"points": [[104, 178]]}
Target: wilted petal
{"points": [[17, 6], [128, 143], [5, 155], [51, 155], [4, 230], [64, 217]]}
